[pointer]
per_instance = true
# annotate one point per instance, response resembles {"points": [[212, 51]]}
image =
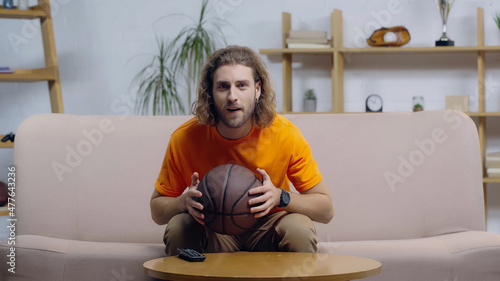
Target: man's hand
{"points": [[192, 205], [270, 197]]}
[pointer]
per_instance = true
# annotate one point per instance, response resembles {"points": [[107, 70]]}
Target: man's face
{"points": [[234, 92]]}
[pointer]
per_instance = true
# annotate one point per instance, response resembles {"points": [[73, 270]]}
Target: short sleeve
{"points": [[170, 182], [303, 170]]}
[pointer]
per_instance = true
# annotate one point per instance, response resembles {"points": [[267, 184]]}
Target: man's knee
{"points": [[182, 231], [298, 232], [177, 225]]}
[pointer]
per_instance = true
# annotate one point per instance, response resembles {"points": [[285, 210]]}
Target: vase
{"points": [[23, 5], [309, 105]]}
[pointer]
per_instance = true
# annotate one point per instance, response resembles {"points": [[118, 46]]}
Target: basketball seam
{"points": [[210, 197], [234, 205], [224, 197]]}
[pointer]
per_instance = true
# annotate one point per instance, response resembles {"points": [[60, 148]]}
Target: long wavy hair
{"points": [[265, 107]]}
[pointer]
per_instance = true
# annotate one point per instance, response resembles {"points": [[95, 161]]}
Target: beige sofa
{"points": [[406, 187]]}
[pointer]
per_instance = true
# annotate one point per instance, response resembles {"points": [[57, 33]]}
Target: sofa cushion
{"points": [[457, 256], [49, 259]]}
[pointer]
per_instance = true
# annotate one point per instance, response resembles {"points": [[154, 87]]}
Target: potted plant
{"points": [[418, 103], [157, 86], [169, 80], [309, 101]]}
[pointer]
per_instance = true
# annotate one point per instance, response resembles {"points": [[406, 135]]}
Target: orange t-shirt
{"points": [[280, 149]]}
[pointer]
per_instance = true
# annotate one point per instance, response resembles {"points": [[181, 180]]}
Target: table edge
{"points": [[341, 277]]}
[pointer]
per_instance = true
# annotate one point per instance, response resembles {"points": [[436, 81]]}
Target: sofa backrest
{"points": [[391, 175], [398, 175], [90, 177]]}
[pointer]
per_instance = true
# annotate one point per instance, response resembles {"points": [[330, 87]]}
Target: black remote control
{"points": [[190, 255]]}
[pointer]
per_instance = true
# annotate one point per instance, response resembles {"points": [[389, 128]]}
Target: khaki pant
{"points": [[277, 232]]}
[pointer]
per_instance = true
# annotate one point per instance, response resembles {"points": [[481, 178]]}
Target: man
{"points": [[236, 122]]}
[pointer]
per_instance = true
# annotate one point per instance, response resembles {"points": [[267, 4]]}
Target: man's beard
{"points": [[235, 123]]}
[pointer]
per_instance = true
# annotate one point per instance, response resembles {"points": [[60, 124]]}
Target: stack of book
{"points": [[308, 39], [6, 70], [493, 164]]}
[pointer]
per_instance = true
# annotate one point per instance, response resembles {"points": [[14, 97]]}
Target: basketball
{"points": [[225, 199]]}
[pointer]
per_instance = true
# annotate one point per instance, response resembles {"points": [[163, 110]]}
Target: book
{"points": [[460, 103], [307, 34], [493, 160], [493, 172], [307, 40], [6, 70], [309, 46]]}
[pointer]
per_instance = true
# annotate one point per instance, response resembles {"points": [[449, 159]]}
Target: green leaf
{"points": [[179, 60]]}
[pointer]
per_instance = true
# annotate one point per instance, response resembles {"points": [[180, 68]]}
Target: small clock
{"points": [[374, 103]]}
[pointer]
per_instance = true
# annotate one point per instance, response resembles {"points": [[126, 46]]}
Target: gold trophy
{"points": [[444, 7]]}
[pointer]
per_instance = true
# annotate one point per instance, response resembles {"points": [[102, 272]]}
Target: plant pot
{"points": [[309, 105]]}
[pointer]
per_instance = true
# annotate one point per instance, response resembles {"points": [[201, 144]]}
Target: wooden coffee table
{"points": [[261, 266]]}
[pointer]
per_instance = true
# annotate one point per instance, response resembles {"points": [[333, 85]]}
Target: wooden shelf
{"points": [[491, 180], [338, 52], [382, 50], [4, 211], [420, 50], [483, 114], [35, 12], [49, 73], [8, 144], [30, 75]]}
